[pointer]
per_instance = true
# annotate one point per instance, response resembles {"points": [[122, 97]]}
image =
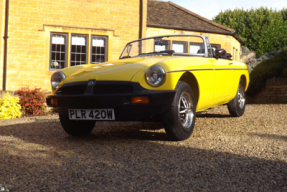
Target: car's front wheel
{"points": [[179, 119], [236, 106], [76, 128]]}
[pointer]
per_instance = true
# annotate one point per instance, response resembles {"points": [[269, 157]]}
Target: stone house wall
{"points": [[272, 94], [31, 23]]}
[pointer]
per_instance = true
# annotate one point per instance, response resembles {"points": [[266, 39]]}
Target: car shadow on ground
{"points": [[202, 115], [270, 136], [41, 156]]}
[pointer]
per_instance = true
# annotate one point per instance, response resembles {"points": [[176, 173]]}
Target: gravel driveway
{"points": [[224, 154]]}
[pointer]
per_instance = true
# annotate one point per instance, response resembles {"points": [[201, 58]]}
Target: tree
{"points": [[284, 14], [264, 28]]}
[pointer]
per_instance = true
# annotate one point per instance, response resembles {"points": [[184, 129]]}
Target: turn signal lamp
{"points": [[54, 102], [140, 100]]}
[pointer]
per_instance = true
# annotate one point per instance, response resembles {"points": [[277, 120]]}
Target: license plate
{"points": [[91, 114]]}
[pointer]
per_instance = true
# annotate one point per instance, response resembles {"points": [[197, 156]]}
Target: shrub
{"points": [[9, 107], [32, 100], [267, 69]]}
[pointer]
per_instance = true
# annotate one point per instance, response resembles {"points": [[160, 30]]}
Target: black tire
{"points": [[76, 128], [179, 125], [236, 106]]}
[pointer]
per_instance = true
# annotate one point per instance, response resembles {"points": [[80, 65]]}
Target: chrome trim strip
{"points": [[205, 69]]}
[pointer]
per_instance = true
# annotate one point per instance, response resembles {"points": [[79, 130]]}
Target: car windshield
{"points": [[166, 45]]}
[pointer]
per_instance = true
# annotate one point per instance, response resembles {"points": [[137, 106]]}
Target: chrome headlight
{"points": [[155, 76], [57, 78]]}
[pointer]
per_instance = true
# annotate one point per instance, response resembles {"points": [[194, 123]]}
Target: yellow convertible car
{"points": [[164, 78]]}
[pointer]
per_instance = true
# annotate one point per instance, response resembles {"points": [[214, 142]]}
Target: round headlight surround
{"points": [[56, 78], [155, 76]]}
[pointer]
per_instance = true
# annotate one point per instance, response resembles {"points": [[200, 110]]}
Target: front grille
{"points": [[112, 88], [78, 89], [101, 87]]}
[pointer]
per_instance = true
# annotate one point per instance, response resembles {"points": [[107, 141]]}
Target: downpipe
{"points": [[5, 45]]}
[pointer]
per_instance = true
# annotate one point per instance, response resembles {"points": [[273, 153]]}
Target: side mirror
{"points": [[220, 53], [228, 56]]}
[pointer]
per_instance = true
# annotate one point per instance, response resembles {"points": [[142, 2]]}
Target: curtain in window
{"points": [[160, 48], [178, 48], [194, 49]]}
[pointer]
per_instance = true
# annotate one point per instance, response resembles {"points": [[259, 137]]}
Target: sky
{"points": [[210, 8]]}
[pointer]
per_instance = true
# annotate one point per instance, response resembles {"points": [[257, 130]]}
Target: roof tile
{"points": [[169, 14]]}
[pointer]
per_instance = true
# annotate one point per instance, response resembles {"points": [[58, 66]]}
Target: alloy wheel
{"points": [[185, 110], [241, 97]]}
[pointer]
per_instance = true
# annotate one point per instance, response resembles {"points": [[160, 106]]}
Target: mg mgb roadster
{"points": [[163, 79]]}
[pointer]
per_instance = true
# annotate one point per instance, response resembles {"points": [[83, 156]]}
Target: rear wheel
{"points": [[236, 106], [179, 119], [76, 128]]}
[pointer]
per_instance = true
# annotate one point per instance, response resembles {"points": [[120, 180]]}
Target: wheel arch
{"points": [[192, 82], [244, 79]]}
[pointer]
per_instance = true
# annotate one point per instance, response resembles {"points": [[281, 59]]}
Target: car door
{"points": [[223, 79], [204, 74]]}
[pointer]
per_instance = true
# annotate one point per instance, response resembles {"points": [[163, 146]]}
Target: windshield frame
{"points": [[205, 40]]}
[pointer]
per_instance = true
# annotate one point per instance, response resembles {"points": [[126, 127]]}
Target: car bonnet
{"points": [[120, 70]]}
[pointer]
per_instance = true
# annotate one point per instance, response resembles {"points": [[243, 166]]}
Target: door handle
{"points": [[230, 63]]}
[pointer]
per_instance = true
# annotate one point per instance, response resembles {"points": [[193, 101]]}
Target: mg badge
{"points": [[91, 83]]}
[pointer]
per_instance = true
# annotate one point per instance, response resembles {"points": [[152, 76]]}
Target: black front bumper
{"points": [[124, 110]]}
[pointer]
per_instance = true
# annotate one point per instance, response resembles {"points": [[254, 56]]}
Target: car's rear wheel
{"points": [[236, 106], [179, 119], [76, 128]]}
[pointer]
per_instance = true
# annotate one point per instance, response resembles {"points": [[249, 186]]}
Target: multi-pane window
{"points": [[199, 47], [78, 50], [195, 48], [98, 49], [83, 49], [179, 47], [58, 51], [161, 45]]}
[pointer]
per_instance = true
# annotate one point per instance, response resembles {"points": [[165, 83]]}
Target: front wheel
{"points": [[179, 119], [236, 106], [76, 128]]}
